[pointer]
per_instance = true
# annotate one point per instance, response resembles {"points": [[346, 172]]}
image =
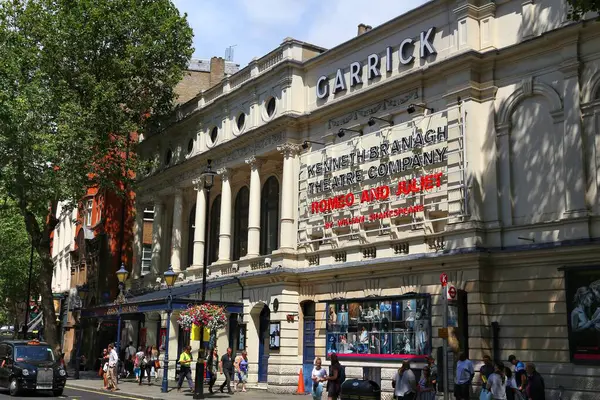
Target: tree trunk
{"points": [[46, 272]]}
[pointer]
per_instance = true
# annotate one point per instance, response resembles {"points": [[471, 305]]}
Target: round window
{"points": [[190, 146], [214, 133], [271, 107], [168, 157], [241, 120]]}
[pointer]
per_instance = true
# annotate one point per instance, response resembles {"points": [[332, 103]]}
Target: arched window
{"points": [[240, 228], [191, 233], [269, 217], [213, 230]]}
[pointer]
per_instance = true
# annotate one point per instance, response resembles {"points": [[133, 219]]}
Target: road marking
{"points": [[105, 392]]}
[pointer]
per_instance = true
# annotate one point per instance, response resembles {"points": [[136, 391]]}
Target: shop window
{"points": [[213, 236], [89, 206], [269, 218], [240, 231], [146, 258], [385, 328]]}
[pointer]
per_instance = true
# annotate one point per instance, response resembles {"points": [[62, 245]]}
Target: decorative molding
{"points": [[373, 109], [254, 162], [338, 289], [528, 88], [289, 149], [591, 93], [307, 291], [372, 287], [410, 283], [224, 173]]}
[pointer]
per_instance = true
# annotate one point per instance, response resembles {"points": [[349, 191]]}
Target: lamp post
{"points": [[122, 275], [81, 292], [208, 177], [170, 276]]}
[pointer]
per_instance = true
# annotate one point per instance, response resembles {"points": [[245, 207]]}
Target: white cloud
{"points": [[258, 26]]}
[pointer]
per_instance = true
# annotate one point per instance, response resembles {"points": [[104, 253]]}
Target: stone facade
{"points": [[513, 85]]}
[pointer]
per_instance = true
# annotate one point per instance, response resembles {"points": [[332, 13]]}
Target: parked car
{"points": [[30, 366]]}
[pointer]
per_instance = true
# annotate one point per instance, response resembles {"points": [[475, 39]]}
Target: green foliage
{"points": [[77, 78], [578, 8], [14, 264]]}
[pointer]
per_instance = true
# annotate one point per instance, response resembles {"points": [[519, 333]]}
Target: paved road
{"points": [[73, 394]]}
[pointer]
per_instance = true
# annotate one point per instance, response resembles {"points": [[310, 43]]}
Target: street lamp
{"points": [[208, 177], [122, 275], [170, 277], [81, 292]]}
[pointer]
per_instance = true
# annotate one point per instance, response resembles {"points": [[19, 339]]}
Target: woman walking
{"points": [[334, 383], [104, 367], [243, 371], [319, 375], [426, 387], [156, 357], [497, 382]]}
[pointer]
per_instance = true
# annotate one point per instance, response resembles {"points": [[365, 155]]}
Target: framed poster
{"points": [[274, 338], [384, 328], [163, 338], [582, 290], [241, 337]]}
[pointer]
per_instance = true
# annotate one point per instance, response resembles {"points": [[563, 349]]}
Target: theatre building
{"points": [[459, 138]]}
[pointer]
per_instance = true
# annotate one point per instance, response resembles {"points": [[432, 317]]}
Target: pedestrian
{"points": [[519, 372], [319, 375], [486, 369], [113, 361], [149, 364], [185, 362], [104, 367], [137, 364], [512, 391], [433, 371], [243, 370], [129, 355], [405, 383], [142, 364], [226, 368], [236, 372], [335, 378], [497, 382], [156, 358], [536, 388], [426, 388], [213, 368], [464, 377]]}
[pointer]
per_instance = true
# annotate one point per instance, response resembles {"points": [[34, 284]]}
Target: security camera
{"points": [[341, 133], [411, 109], [371, 121], [305, 145]]}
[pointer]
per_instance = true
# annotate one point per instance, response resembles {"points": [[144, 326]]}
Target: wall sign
{"points": [[406, 56]]}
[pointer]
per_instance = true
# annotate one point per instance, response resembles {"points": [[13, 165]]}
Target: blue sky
{"points": [[258, 26]]}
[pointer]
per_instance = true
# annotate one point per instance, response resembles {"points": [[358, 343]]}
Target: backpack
{"points": [[342, 374]]}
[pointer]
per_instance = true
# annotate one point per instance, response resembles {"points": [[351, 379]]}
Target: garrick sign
{"points": [[406, 56]]}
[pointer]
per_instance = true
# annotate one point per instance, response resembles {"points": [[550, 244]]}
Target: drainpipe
{"points": [[242, 287], [496, 341]]}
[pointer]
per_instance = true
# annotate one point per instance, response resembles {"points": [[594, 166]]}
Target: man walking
{"points": [[113, 361], [226, 367], [520, 373], [185, 362]]}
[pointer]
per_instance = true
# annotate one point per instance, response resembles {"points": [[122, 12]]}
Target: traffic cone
{"points": [[300, 383]]}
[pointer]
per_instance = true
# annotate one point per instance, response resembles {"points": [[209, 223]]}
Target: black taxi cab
{"points": [[30, 365]]}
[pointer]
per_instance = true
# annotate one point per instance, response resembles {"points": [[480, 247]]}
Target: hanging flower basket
{"points": [[209, 315]]}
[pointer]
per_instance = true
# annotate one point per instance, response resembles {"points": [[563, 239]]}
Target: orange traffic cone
{"points": [[300, 383]]}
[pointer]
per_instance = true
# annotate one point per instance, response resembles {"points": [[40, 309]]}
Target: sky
{"points": [[256, 27]]}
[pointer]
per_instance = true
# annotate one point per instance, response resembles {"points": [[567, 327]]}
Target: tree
{"points": [[14, 265], [578, 8], [77, 78]]}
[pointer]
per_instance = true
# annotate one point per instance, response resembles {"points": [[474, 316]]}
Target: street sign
{"points": [[444, 279], [451, 292]]}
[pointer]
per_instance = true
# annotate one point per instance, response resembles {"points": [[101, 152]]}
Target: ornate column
{"points": [[287, 238], [199, 239], [156, 236], [176, 232], [254, 208], [225, 227], [138, 239]]}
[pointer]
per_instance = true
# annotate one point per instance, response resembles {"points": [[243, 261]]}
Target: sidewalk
{"points": [[129, 387]]}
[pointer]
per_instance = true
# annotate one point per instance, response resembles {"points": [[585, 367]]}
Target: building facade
{"points": [[457, 139]]}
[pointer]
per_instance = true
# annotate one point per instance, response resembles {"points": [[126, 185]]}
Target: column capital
{"points": [[289, 149], [198, 183], [254, 162], [224, 173], [155, 199]]}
